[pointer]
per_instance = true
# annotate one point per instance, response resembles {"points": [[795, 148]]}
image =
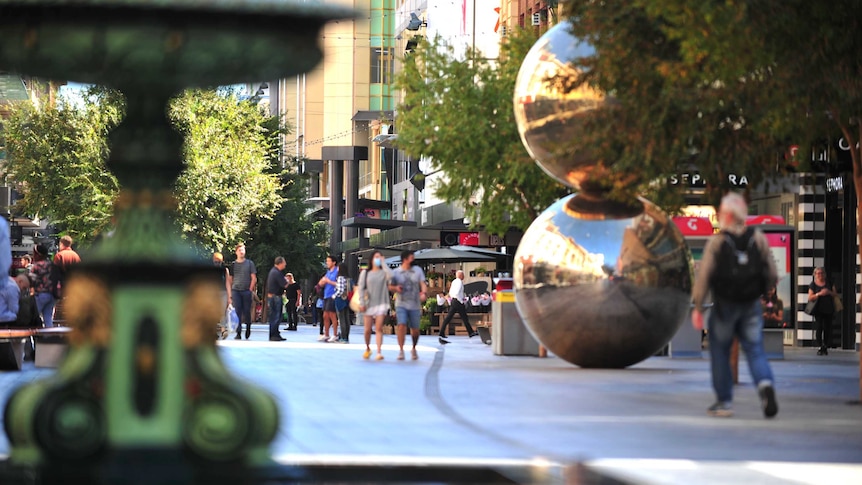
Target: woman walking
{"points": [[373, 291], [821, 291]]}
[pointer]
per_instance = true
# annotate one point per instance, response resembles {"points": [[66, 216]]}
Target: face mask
{"points": [[378, 262]]}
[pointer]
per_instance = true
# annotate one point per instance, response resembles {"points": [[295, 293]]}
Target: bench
{"points": [[12, 342], [51, 345], [456, 326]]}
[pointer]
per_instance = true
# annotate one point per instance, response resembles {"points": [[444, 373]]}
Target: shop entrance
{"points": [[840, 259]]}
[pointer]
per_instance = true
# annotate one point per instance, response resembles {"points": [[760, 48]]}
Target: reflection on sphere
{"points": [[603, 291], [550, 106]]}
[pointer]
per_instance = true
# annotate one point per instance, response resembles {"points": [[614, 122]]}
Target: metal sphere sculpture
{"points": [[599, 282]]}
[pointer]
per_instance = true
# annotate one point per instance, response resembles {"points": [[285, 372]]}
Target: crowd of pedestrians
{"points": [[379, 292], [29, 296]]}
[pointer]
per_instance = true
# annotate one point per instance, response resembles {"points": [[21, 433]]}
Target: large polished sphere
{"points": [[551, 105], [601, 284]]}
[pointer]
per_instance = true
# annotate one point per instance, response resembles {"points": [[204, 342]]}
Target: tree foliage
{"points": [[719, 87], [57, 154], [226, 182], [457, 111]]}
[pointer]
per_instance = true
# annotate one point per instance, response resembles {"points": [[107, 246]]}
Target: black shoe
{"points": [[248, 332], [292, 329], [474, 334], [277, 338], [238, 336], [820, 351], [767, 400], [825, 351], [442, 340]]}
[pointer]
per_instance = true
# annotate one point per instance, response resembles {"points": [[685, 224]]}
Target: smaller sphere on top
{"points": [[551, 104]]}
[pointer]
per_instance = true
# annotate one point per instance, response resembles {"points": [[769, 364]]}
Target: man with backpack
{"points": [[737, 267]]}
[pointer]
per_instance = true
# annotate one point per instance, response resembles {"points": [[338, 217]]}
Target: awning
{"points": [[370, 222], [384, 115]]}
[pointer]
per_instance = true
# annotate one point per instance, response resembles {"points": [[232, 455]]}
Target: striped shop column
{"points": [[810, 253]]}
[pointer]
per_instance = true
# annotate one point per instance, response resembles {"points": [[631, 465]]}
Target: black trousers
{"points": [[291, 313], [823, 330], [456, 307]]}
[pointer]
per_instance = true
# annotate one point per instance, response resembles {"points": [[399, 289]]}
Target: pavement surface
{"points": [[461, 404]]}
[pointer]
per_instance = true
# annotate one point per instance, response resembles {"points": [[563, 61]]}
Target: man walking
{"points": [[294, 295], [330, 318], [408, 283], [242, 280], [456, 305], [275, 285], [737, 267], [63, 260]]}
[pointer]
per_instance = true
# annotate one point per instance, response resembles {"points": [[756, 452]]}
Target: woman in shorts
{"points": [[374, 300]]}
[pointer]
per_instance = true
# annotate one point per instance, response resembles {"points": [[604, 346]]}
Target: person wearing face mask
{"points": [[373, 291]]}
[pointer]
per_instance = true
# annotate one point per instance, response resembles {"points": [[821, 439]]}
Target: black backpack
{"points": [[740, 272]]}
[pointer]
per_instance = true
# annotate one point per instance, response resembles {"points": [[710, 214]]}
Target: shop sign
{"points": [[694, 226], [834, 184], [697, 180]]}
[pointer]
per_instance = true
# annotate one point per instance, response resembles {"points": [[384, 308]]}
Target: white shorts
{"points": [[377, 311]]}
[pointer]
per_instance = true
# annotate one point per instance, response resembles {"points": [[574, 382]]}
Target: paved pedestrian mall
{"points": [[461, 404]]}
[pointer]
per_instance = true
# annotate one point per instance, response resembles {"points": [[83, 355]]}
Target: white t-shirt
{"points": [[456, 291]]}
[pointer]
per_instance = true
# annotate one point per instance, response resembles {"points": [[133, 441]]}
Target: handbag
{"points": [[836, 302], [354, 302], [810, 306]]}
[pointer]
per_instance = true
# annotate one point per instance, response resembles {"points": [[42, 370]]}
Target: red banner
{"points": [[694, 226], [764, 219]]}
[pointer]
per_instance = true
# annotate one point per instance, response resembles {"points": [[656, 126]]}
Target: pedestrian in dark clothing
{"points": [[275, 284], [821, 291], [294, 296], [242, 280], [737, 267]]}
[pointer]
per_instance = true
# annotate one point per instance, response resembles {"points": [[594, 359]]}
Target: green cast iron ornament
{"points": [[142, 372]]}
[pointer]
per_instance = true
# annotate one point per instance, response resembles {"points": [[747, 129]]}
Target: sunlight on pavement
{"points": [[720, 472], [318, 345], [318, 459]]}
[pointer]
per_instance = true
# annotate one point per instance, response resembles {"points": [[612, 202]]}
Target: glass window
{"points": [[382, 64]]}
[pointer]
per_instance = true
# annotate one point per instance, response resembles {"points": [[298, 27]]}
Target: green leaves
{"points": [[56, 155], [225, 184], [457, 111]]}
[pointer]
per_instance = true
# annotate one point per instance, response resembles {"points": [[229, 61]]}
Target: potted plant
{"points": [[429, 308], [480, 271]]}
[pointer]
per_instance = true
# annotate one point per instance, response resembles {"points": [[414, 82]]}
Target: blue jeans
{"points": [[274, 304], [745, 321], [45, 303], [242, 304], [408, 317]]}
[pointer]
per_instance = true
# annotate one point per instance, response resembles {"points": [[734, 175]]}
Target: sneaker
{"points": [[767, 400], [367, 354], [322, 338], [379, 357], [332, 339], [720, 410]]}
